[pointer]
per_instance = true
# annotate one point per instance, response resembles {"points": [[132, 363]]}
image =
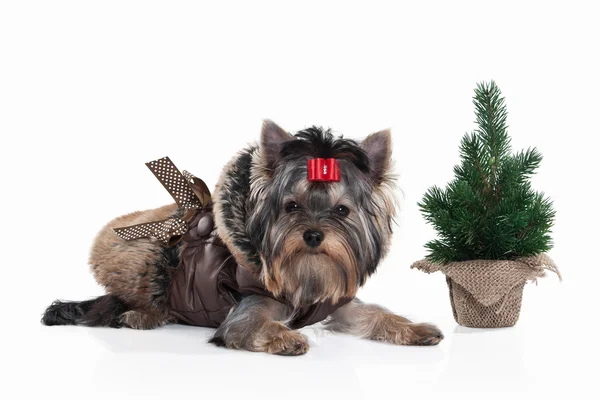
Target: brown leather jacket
{"points": [[209, 281]]}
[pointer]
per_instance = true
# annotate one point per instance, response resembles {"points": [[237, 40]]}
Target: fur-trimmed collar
{"points": [[230, 200]]}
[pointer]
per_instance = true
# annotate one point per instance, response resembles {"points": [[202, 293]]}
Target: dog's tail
{"points": [[102, 311]]}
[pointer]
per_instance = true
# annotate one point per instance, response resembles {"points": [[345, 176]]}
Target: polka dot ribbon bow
{"points": [[189, 192]]}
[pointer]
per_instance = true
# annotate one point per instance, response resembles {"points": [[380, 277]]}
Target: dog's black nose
{"points": [[313, 238]]}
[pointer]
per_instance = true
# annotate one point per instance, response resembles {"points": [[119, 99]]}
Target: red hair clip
{"points": [[323, 170]]}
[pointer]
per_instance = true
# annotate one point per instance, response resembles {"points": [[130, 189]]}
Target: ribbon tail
{"points": [[168, 231], [174, 182]]}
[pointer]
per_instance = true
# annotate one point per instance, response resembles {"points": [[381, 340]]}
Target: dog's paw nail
{"points": [[426, 335]]}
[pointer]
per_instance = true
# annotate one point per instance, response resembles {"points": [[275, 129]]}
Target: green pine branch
{"points": [[489, 211]]}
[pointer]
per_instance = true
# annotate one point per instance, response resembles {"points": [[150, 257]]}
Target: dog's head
{"points": [[319, 240]]}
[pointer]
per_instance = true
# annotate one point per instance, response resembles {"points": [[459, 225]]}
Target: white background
{"points": [[89, 91]]}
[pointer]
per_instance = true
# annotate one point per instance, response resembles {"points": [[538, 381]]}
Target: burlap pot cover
{"points": [[488, 293]]}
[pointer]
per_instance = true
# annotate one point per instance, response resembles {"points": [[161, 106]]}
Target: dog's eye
{"points": [[291, 207], [342, 211]]}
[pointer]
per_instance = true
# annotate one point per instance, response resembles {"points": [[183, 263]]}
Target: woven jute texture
{"points": [[488, 293]]}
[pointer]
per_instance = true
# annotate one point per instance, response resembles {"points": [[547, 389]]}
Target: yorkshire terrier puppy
{"points": [[293, 244]]}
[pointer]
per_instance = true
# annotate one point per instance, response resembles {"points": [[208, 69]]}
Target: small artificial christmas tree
{"points": [[489, 212]]}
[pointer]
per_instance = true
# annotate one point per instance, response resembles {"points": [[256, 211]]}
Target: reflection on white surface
{"points": [[178, 358], [480, 360], [101, 363], [336, 365]]}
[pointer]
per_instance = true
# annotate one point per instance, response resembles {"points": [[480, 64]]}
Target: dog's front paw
{"points": [[398, 330], [284, 343], [424, 335]]}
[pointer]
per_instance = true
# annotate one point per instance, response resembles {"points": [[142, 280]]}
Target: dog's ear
{"points": [[378, 147], [271, 140]]}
